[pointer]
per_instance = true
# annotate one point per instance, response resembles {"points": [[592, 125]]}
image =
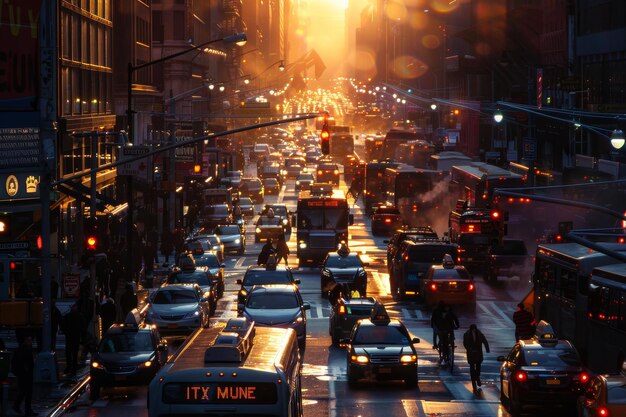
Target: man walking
{"points": [[72, 326], [23, 365], [473, 341], [524, 323]]}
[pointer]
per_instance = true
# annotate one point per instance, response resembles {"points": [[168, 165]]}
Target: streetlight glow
{"points": [[498, 116], [433, 106], [617, 138]]}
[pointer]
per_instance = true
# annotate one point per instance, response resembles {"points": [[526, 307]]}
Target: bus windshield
{"points": [[323, 218]]}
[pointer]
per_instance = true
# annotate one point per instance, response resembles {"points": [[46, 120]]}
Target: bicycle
{"points": [[446, 349]]}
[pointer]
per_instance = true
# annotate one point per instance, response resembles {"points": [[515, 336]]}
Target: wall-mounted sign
{"points": [[19, 147], [19, 185]]}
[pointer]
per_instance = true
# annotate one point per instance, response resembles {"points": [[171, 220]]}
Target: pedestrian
{"points": [[179, 240], [266, 251], [55, 322], [524, 323], [72, 326], [108, 314], [473, 341], [282, 250], [167, 244], [434, 319], [22, 366], [128, 301]]}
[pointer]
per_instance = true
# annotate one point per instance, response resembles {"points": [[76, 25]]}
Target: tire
{"points": [[94, 391], [515, 407], [220, 290]]}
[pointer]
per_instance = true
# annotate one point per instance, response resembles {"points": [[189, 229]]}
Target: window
{"points": [[178, 25], [567, 284], [546, 276]]}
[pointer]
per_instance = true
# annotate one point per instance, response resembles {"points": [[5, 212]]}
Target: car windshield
{"points": [[199, 278], [432, 254], [278, 210], [265, 277], [227, 230], [270, 181], [217, 210], [208, 260], [272, 301], [126, 342], [372, 335], [305, 177], [268, 221], [551, 358], [174, 297], [245, 201], [451, 274], [343, 262]]}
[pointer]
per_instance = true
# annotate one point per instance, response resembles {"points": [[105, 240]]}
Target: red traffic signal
{"points": [[325, 140], [91, 243]]}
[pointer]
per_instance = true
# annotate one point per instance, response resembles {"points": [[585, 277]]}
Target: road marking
{"points": [[411, 408], [240, 262]]}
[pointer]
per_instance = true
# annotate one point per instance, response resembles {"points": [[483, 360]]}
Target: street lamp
{"points": [[617, 139], [238, 39], [498, 116]]}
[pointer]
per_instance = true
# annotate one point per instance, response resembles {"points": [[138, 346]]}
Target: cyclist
{"points": [[434, 320], [446, 324]]}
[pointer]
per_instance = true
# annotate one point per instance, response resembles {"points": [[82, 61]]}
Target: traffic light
{"points": [[92, 237], [325, 137]]}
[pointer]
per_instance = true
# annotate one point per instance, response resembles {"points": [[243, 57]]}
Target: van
{"points": [[413, 261], [261, 151]]}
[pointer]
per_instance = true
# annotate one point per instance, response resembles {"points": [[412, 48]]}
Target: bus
{"points": [[341, 144], [413, 192], [374, 190], [606, 311], [561, 285], [531, 175], [373, 148], [322, 224], [394, 138], [237, 369], [476, 182], [416, 153]]}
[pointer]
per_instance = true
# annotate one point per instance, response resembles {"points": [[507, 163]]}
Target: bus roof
{"points": [[480, 170], [266, 351], [614, 273], [405, 168], [575, 253], [307, 195]]}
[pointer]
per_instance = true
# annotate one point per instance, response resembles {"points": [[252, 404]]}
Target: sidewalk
{"points": [[47, 397]]}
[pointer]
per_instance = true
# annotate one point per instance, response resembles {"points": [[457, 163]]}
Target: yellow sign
{"points": [[12, 185]]}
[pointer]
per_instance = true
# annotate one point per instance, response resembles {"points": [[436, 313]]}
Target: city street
{"points": [[325, 389]]}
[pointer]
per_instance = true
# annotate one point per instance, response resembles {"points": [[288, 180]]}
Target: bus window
{"points": [[336, 219], [310, 219], [547, 277], [567, 284]]}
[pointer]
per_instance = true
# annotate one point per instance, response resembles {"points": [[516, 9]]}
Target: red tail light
{"points": [[603, 412], [387, 220], [433, 287], [584, 378], [521, 376], [470, 287], [342, 309]]}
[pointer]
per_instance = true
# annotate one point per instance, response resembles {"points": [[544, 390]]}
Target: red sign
{"points": [[71, 285]]}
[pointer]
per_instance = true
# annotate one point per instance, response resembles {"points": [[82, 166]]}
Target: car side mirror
{"points": [[296, 281], [351, 219], [239, 282], [415, 340], [386, 241], [306, 305], [500, 359]]}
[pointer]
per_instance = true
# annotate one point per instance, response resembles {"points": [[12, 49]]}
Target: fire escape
{"points": [[230, 24]]}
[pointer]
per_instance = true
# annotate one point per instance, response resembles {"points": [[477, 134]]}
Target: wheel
{"points": [[220, 290], [94, 391], [451, 360], [514, 406]]}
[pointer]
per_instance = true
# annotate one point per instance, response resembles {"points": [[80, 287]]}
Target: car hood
{"points": [[382, 349], [124, 358], [345, 271], [273, 316], [173, 309], [229, 238]]}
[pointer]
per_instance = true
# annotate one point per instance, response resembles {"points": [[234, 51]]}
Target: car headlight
{"points": [[146, 364], [192, 314], [359, 358], [285, 222], [97, 365], [237, 241], [302, 245], [297, 182], [257, 230], [408, 358]]}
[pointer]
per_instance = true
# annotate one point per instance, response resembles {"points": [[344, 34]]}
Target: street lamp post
{"points": [[239, 39]]}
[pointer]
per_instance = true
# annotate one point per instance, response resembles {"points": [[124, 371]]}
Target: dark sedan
{"points": [[385, 220], [262, 275], [129, 354], [344, 269]]}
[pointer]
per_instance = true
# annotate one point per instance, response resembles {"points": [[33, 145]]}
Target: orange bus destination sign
{"points": [[223, 393]]}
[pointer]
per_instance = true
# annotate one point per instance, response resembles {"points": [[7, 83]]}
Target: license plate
{"points": [[120, 377], [172, 326], [553, 381], [384, 370], [452, 283]]}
